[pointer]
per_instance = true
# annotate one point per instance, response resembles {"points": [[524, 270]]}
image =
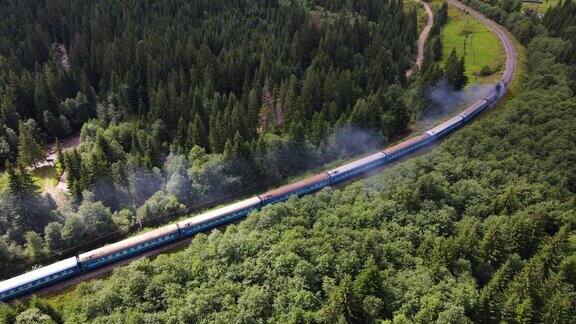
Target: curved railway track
{"points": [[95, 263]]}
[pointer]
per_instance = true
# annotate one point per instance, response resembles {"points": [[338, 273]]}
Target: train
{"points": [[59, 271], [49, 275]]}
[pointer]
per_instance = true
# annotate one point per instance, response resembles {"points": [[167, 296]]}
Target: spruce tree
{"points": [[60, 155], [197, 133], [29, 150], [462, 78], [455, 71]]}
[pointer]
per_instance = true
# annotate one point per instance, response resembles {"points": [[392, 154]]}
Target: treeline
{"points": [[481, 229], [184, 104], [431, 71], [201, 64], [525, 24]]}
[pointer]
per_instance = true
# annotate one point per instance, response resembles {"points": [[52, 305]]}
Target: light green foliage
{"points": [[481, 229], [475, 42]]}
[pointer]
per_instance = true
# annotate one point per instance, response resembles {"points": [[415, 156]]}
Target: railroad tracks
{"points": [[501, 33]]}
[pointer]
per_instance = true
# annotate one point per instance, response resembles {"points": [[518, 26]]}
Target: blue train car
{"points": [[38, 278], [300, 188], [128, 247], [406, 147], [446, 127], [218, 216], [474, 109], [354, 168]]}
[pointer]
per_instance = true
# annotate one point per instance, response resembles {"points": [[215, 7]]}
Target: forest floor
{"points": [[44, 173], [479, 46]]}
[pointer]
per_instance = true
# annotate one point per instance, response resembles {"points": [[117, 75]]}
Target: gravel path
{"points": [[422, 39]]}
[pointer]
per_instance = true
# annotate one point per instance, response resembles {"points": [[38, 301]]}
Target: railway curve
{"points": [[88, 265]]}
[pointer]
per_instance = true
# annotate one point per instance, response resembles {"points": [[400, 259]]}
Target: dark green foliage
{"points": [[441, 16], [29, 149], [481, 229], [141, 59], [455, 71], [262, 89]]}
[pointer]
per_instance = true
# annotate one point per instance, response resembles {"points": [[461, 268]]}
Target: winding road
{"points": [[423, 38]]}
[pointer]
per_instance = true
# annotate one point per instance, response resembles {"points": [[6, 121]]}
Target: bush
{"points": [[486, 71]]}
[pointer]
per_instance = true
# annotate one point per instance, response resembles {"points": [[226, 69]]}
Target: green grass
{"points": [[43, 177], [543, 7], [482, 47]]}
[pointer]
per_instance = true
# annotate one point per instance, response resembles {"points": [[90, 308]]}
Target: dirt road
{"points": [[67, 144], [422, 39]]}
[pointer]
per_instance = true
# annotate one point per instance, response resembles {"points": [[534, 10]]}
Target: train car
{"points": [[474, 109], [491, 97], [128, 247], [218, 216], [446, 127], [299, 188], [354, 168], [36, 279], [406, 147]]}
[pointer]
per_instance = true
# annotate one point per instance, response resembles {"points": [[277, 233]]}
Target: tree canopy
{"points": [[480, 229]]}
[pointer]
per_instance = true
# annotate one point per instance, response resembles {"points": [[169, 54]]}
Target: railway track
{"points": [[508, 74]]}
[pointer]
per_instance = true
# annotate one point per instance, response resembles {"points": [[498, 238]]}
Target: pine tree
{"points": [[60, 156], [196, 133], [180, 140], [75, 171], [463, 79], [455, 71], [29, 150], [442, 15]]}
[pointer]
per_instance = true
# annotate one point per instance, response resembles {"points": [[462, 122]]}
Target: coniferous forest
{"points": [[173, 99], [180, 104]]}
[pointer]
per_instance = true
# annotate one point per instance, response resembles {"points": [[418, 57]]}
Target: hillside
{"points": [[182, 105], [481, 228]]}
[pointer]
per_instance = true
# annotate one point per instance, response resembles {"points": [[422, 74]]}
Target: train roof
{"points": [[294, 186], [357, 163], [128, 243], [405, 144], [39, 273], [475, 106], [450, 122], [209, 215]]}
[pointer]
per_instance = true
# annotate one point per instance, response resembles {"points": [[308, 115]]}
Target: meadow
{"points": [[479, 46]]}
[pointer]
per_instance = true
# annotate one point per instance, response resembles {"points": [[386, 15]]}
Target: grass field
{"points": [[482, 47], [542, 7]]}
